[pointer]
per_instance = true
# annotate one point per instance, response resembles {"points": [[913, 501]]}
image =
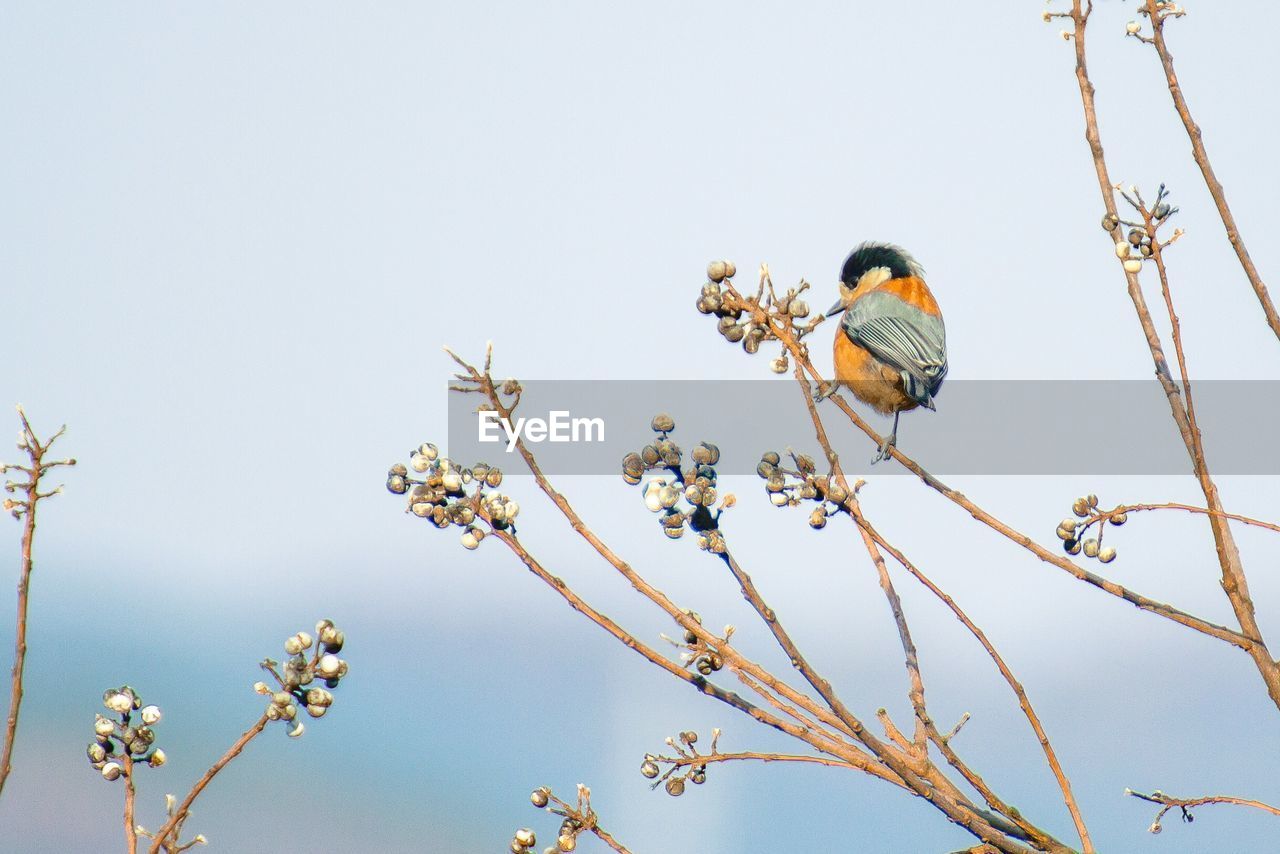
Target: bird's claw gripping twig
{"points": [[882, 453]]}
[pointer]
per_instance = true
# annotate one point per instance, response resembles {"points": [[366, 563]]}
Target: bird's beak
{"points": [[836, 309]]}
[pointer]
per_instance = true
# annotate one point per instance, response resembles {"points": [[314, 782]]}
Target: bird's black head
{"points": [[875, 256], [869, 265]]}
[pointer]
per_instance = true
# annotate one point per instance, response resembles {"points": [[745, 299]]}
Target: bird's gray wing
{"points": [[904, 337]]}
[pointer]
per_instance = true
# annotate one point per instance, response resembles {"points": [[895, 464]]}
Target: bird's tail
{"points": [[919, 390]]}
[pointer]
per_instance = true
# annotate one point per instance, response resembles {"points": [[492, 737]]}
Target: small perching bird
{"points": [[891, 347]]}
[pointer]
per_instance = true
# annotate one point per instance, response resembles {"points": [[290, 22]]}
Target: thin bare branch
{"points": [[1174, 505], [799, 351], [26, 511], [1234, 582], [174, 824], [992, 829], [873, 540], [1185, 805], [1201, 156], [130, 793]]}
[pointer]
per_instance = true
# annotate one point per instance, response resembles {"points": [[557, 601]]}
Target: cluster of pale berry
{"points": [[694, 486], [1072, 532], [1138, 240], [310, 659], [717, 299], [120, 737], [575, 821], [696, 653], [788, 487], [440, 494], [679, 772]]}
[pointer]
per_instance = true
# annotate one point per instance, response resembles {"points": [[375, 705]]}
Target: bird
{"points": [[891, 345]]}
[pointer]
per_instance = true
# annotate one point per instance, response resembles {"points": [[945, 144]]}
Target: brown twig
{"points": [[1234, 582], [750, 755], [586, 817], [873, 540], [174, 825], [799, 351], [1015, 685], [1173, 505], [130, 829], [1201, 157], [26, 509], [820, 739], [1168, 802], [988, 828]]}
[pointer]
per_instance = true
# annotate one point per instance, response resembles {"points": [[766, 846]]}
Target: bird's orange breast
{"points": [[871, 381]]}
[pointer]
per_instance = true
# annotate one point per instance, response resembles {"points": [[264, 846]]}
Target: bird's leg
{"points": [[823, 390], [890, 441]]}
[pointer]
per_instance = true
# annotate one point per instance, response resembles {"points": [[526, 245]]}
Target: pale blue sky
{"points": [[235, 237]]}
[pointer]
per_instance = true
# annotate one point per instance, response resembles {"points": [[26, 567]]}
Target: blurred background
{"points": [[233, 239]]}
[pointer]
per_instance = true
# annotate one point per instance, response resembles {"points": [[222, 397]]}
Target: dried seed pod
{"points": [[1091, 547], [1107, 554], [1110, 221], [1133, 265], [662, 423], [717, 271], [704, 453], [632, 464]]}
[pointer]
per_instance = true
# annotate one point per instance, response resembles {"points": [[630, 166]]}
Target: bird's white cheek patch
{"points": [[873, 277]]}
